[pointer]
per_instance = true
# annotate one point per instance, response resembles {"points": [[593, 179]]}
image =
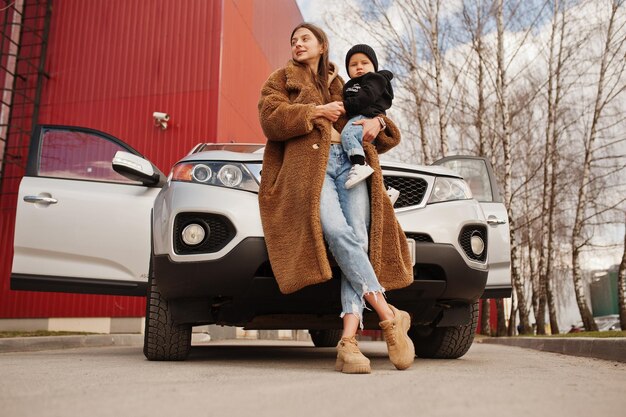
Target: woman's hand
{"points": [[331, 111], [371, 128]]}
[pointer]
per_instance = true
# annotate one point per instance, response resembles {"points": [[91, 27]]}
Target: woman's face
{"points": [[305, 48]]}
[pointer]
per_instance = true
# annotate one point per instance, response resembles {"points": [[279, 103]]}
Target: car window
{"points": [[475, 173], [78, 155]]}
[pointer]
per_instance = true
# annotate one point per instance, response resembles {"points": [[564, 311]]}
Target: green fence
{"points": [[604, 295]]}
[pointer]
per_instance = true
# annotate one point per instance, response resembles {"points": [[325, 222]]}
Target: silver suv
{"points": [[94, 216]]}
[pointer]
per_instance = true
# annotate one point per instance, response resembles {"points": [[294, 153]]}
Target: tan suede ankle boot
{"points": [[350, 360], [399, 345]]}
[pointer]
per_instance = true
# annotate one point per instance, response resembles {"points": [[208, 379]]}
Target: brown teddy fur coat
{"points": [[294, 165]]}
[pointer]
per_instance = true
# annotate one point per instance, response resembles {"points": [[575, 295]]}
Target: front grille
{"points": [[411, 189], [465, 240], [219, 231], [419, 237]]}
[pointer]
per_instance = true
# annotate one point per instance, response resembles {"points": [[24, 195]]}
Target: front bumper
{"points": [[440, 273], [230, 275]]}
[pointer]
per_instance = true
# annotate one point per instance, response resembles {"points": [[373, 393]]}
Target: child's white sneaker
{"points": [[393, 195], [357, 174]]}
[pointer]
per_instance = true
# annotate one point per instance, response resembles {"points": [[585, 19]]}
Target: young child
{"points": [[368, 94]]}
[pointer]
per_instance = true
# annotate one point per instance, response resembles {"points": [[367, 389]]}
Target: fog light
{"points": [[477, 244], [193, 234], [230, 175]]}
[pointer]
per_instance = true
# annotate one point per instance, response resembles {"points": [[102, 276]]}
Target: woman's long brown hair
{"points": [[323, 68]]}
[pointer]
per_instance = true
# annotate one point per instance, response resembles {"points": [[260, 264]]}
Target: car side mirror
{"points": [[136, 168]]}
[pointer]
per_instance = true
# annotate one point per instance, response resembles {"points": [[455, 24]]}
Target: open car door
{"points": [[80, 226], [479, 175]]}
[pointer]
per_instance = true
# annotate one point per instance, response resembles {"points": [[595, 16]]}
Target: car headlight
{"points": [[448, 189], [201, 173], [230, 175], [222, 174]]}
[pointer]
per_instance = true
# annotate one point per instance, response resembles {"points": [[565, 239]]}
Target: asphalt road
{"points": [[273, 378]]}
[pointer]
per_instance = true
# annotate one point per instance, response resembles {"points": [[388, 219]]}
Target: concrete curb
{"points": [[611, 349], [32, 344], [38, 343]]}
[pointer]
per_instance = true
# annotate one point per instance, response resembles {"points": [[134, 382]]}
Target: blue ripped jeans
{"points": [[345, 216]]}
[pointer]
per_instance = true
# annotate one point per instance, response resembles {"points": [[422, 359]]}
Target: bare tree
{"points": [[556, 62], [485, 313], [430, 25], [612, 47], [504, 124], [476, 15], [492, 118], [501, 329], [416, 107], [547, 168], [621, 286]]}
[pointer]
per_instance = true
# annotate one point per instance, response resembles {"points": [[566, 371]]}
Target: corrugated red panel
{"points": [[25, 26], [255, 43], [113, 63]]}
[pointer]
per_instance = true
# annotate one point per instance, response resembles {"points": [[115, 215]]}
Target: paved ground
{"points": [[269, 378]]}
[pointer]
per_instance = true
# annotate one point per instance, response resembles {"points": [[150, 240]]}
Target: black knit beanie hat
{"points": [[364, 49]]}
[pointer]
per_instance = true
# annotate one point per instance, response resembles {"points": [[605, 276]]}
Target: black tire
{"points": [[164, 340], [445, 342], [325, 338]]}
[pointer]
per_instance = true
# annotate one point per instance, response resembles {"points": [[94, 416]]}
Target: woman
{"points": [[303, 200]]}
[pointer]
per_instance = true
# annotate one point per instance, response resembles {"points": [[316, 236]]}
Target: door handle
{"points": [[40, 200], [494, 220]]}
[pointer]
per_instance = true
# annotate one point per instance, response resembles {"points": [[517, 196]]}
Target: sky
{"points": [[313, 11]]}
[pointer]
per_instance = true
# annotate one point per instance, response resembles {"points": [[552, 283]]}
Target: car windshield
{"points": [[232, 147]]}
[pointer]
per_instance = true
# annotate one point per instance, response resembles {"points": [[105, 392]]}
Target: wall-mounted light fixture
{"points": [[160, 119]]}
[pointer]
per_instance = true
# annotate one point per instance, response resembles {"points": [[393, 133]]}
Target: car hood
{"points": [[434, 170], [224, 156], [221, 155]]}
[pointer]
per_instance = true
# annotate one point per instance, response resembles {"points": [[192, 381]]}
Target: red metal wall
{"points": [[256, 41], [113, 63]]}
